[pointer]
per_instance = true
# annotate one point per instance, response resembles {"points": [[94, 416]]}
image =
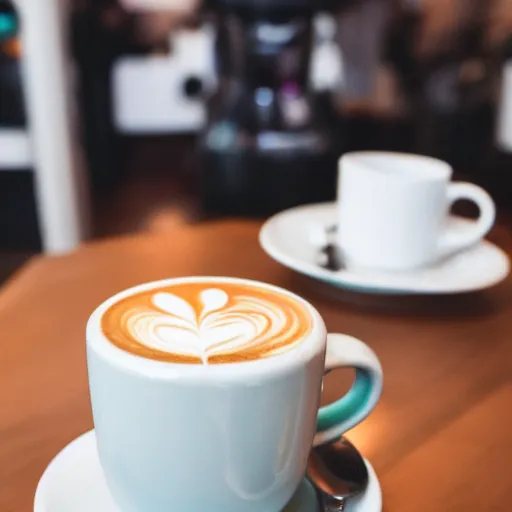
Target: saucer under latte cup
{"points": [[393, 210], [205, 393]]}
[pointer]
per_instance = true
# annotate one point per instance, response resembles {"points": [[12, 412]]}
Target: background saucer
{"points": [[73, 482], [293, 238]]}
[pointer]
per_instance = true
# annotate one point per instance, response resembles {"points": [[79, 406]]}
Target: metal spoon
{"points": [[332, 257], [338, 472]]}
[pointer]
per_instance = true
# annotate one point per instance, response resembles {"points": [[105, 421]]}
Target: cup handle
{"points": [[335, 419], [455, 240]]}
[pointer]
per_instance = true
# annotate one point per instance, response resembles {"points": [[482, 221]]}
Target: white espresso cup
{"points": [[393, 210], [223, 437]]}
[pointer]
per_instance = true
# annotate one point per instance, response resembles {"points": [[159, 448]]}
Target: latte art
{"points": [[174, 327], [205, 323]]}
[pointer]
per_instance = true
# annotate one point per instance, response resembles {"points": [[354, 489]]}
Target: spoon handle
{"points": [[333, 505]]}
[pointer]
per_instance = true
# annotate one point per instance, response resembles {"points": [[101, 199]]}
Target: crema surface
{"points": [[207, 323]]}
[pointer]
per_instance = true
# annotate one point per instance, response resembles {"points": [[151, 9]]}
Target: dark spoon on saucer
{"points": [[332, 258], [338, 472]]}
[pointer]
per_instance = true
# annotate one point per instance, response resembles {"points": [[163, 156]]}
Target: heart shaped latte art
{"points": [[218, 324]]}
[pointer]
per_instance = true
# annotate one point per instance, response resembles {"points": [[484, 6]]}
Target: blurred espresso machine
{"points": [[266, 146]]}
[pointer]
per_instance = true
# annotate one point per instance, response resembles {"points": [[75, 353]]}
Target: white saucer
{"points": [[292, 238], [74, 482]]}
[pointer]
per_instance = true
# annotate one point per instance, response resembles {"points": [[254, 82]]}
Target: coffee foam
{"points": [[207, 323]]}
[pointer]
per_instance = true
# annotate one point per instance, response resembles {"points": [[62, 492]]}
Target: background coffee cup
{"points": [[393, 210], [225, 436]]}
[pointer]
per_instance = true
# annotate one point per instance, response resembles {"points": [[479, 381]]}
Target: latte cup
{"points": [[205, 393]]}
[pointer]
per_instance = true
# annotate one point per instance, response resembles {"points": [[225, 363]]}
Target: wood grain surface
{"points": [[439, 440]]}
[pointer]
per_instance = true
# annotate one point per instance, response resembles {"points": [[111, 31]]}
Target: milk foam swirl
{"points": [[218, 325]]}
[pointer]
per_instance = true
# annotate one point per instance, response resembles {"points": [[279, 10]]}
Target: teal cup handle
{"points": [[336, 418]]}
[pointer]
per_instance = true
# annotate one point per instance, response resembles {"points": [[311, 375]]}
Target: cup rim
{"points": [[96, 341], [432, 169]]}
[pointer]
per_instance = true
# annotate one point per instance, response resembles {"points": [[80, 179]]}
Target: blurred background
{"points": [[241, 108]]}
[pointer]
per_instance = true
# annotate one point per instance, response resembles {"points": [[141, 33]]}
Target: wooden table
{"points": [[441, 438]]}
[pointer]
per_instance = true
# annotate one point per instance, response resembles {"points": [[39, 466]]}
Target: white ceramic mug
{"points": [[226, 437], [393, 210]]}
